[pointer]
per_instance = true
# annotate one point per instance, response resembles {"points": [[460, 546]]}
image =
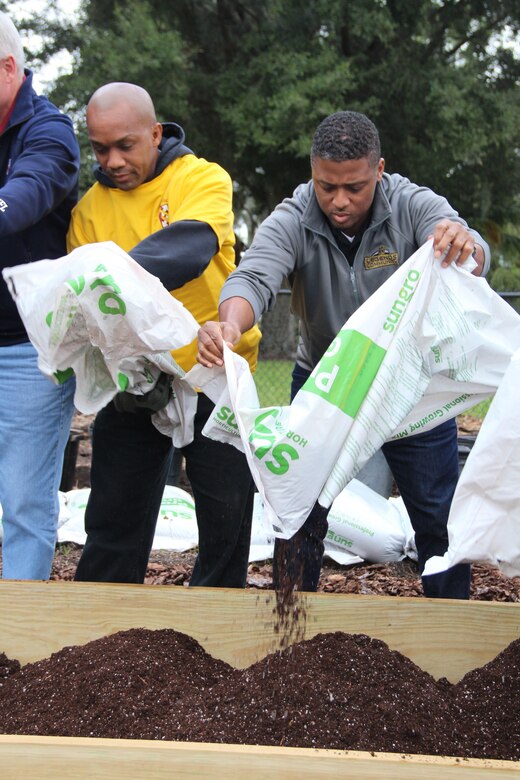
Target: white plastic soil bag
{"points": [[362, 526], [261, 547], [176, 527], [428, 344], [363, 523], [484, 521], [71, 527], [98, 314]]}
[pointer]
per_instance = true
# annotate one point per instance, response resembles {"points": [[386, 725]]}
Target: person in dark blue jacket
{"points": [[39, 166]]}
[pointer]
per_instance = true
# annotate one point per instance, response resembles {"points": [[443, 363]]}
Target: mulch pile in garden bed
{"points": [[337, 690]]}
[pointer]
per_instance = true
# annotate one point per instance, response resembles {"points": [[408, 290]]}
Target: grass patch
{"points": [[273, 382], [480, 410]]}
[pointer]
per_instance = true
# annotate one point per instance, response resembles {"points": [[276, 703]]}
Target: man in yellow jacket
{"points": [[172, 212]]}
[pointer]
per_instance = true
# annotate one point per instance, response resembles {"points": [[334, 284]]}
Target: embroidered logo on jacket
{"points": [[380, 258], [164, 217], [3, 205]]}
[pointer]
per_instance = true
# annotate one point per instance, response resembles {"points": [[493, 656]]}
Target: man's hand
{"points": [[211, 338], [454, 244]]}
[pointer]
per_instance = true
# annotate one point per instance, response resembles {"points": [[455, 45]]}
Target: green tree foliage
{"points": [[505, 269], [506, 279], [250, 80]]}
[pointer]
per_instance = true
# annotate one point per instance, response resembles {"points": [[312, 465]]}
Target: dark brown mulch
{"points": [[337, 690], [378, 579]]}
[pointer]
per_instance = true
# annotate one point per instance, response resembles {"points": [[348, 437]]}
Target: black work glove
{"points": [[151, 402]]}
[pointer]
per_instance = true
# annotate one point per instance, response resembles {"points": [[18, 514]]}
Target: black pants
{"points": [[130, 464]]}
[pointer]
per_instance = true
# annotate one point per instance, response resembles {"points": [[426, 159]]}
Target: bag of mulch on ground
{"points": [[428, 344], [71, 527], [363, 523], [410, 548], [261, 547], [96, 313], [363, 526], [176, 527], [484, 520]]}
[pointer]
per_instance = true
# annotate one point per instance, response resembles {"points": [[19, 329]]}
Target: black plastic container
{"points": [[465, 444], [70, 457]]}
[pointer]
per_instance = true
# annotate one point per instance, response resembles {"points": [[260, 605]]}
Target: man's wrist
{"points": [[479, 256]]}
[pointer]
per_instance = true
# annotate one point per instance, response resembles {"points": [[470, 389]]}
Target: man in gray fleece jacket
{"points": [[337, 239]]}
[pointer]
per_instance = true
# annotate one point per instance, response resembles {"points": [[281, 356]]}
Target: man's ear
{"points": [[157, 134], [9, 65]]}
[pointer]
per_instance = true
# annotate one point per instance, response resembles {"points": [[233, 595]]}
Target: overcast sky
{"points": [[62, 60]]}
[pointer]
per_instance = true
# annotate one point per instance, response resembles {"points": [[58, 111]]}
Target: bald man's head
{"points": [[129, 97], [124, 133]]}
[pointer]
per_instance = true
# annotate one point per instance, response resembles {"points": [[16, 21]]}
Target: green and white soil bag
{"points": [[176, 527], [484, 521], [96, 313], [428, 344], [71, 521], [261, 547], [364, 524]]}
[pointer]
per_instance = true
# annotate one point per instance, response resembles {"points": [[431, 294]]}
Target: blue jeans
{"points": [[426, 470], [130, 465], [35, 419]]}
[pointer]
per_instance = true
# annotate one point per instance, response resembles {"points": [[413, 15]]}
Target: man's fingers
{"points": [[452, 242], [210, 337], [210, 345]]}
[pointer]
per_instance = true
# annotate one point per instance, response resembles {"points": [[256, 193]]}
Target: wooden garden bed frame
{"points": [[445, 638]]}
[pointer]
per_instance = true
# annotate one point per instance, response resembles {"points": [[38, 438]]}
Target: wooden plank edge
{"points": [[43, 758], [238, 626]]}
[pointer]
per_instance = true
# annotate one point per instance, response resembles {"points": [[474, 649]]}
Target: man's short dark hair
{"points": [[346, 135]]}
